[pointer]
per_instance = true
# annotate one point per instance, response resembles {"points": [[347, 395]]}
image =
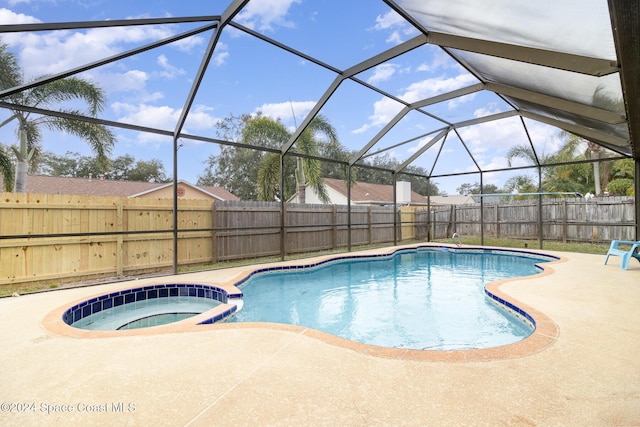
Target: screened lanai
{"points": [[448, 86]]}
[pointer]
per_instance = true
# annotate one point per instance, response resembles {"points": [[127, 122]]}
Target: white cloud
{"points": [[221, 54], [382, 72], [398, 27], [285, 110], [436, 86], [163, 117], [266, 14], [9, 17], [188, 44], [385, 109], [439, 60], [168, 70], [132, 80], [391, 19]]}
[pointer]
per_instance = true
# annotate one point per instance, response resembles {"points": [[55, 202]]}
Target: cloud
{"points": [[285, 110], [9, 17], [385, 109], [265, 15], [163, 117], [132, 80], [220, 54], [188, 44], [168, 70], [382, 73], [389, 20], [398, 28]]}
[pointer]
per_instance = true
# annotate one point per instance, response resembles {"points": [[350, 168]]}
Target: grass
{"points": [[587, 248], [591, 248]]}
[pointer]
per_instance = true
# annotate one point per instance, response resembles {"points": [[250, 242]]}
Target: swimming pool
{"points": [[422, 298]]}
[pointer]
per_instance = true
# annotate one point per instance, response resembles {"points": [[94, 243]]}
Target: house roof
{"points": [[41, 184], [365, 192]]}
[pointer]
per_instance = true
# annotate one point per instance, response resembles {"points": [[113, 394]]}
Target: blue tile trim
{"points": [[511, 307], [357, 258], [114, 299]]}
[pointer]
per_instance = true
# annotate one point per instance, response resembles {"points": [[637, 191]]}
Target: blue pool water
{"points": [[146, 313], [417, 299]]}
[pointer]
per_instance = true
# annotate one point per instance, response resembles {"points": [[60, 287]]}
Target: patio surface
{"points": [[587, 372]]}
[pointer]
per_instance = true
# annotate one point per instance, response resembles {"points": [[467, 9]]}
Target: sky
{"points": [[247, 75]]}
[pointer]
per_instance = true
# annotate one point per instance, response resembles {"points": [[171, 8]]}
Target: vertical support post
{"points": [[334, 229], [370, 223], [481, 210], [565, 225], [455, 219], [282, 210], [637, 198], [428, 211], [214, 234], [175, 204], [497, 220], [395, 211], [349, 208], [120, 238], [540, 223]]}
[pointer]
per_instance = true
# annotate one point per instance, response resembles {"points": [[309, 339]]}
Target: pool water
{"points": [[418, 299], [146, 313]]}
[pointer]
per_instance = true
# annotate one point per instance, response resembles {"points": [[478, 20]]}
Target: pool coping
{"points": [[545, 334]]}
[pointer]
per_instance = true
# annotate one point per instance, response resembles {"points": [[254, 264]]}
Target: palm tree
{"points": [[307, 171], [48, 95]]}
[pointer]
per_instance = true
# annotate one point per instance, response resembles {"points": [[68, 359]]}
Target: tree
{"points": [[467, 188], [30, 125], [123, 168], [622, 173], [71, 164], [254, 174], [234, 168], [126, 168]]}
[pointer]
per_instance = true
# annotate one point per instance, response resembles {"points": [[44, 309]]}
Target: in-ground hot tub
{"points": [[151, 305]]}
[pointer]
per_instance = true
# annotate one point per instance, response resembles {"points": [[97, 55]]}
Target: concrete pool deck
{"points": [[263, 375]]}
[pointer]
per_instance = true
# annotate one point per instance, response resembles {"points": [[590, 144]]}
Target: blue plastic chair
{"points": [[625, 254]]}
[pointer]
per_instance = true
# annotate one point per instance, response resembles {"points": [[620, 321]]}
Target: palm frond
{"points": [[265, 132], [269, 177], [68, 89], [100, 138], [6, 169], [10, 73]]}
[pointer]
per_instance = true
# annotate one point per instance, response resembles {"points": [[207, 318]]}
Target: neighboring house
{"points": [[364, 193], [39, 184]]}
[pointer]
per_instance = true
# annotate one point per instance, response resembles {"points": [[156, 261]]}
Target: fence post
{"points": [[497, 221], [119, 239]]}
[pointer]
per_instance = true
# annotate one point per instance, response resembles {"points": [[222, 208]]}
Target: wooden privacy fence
{"points": [[595, 220], [252, 229], [61, 238]]}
